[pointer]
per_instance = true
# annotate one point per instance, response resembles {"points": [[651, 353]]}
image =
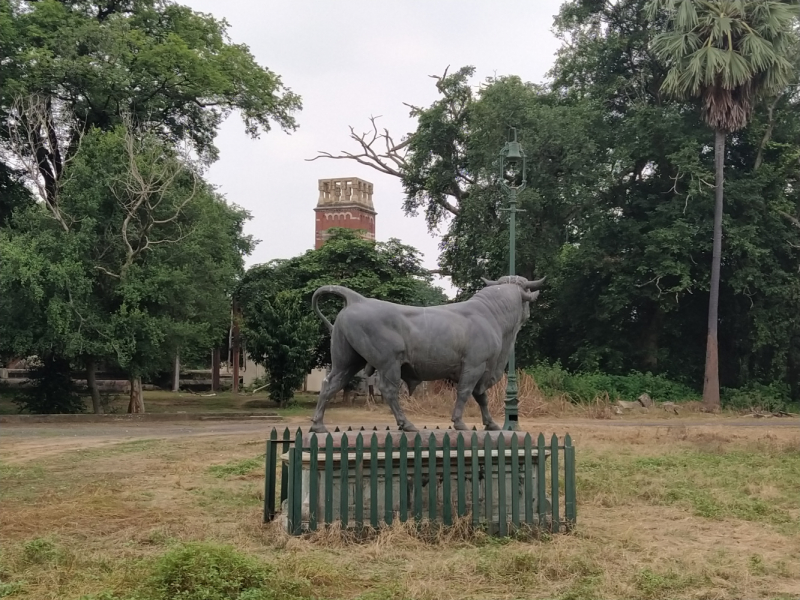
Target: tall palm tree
{"points": [[729, 53]]}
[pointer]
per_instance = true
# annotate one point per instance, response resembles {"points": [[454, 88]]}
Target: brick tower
{"points": [[344, 202]]}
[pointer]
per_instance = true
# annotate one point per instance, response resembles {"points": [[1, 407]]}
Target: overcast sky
{"points": [[348, 60]]}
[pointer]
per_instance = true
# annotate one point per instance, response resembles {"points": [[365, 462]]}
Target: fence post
{"points": [[541, 479], [528, 480], [432, 477], [418, 477], [461, 476], [388, 479], [284, 468], [502, 510], [270, 476], [515, 487], [403, 478], [476, 490], [359, 499], [344, 464], [328, 479], [297, 484], [556, 524], [447, 505], [569, 482], [373, 481], [313, 487], [487, 480]]}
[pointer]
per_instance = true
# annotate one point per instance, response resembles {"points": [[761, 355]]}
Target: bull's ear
{"points": [[530, 296], [535, 285], [489, 281]]}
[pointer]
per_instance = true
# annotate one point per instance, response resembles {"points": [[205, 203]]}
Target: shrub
{"points": [[772, 397], [585, 387], [52, 390], [203, 571]]}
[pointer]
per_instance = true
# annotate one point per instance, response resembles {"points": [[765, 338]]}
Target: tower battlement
{"points": [[344, 202]]}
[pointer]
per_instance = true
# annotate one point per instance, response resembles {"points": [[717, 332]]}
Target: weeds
{"points": [[238, 468]]}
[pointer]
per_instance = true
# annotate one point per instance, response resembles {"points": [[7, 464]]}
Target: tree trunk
{"points": [[711, 382], [136, 402], [215, 370], [650, 340], [91, 383], [176, 375], [236, 343]]}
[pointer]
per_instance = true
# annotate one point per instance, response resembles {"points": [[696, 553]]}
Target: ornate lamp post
{"points": [[512, 179]]}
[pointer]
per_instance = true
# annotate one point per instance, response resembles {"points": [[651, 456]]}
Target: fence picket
{"points": [[313, 484], [296, 498], [418, 477], [502, 510], [515, 487], [476, 517], [329, 479], [447, 504], [403, 478], [388, 479], [284, 467], [461, 476], [487, 479], [373, 481], [359, 473], [270, 476], [432, 477], [569, 481], [541, 482], [528, 480], [555, 524], [344, 464]]}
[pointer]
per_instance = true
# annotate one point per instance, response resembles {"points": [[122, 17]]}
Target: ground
{"points": [[688, 506]]}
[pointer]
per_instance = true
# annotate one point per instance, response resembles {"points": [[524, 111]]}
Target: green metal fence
{"points": [[497, 480]]}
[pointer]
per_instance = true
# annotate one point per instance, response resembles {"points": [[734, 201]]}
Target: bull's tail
{"points": [[350, 297]]}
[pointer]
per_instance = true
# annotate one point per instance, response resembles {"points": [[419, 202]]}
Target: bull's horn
{"points": [[530, 296], [535, 285], [489, 281]]}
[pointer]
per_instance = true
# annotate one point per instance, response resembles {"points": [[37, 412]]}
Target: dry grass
{"points": [[437, 399], [664, 512]]}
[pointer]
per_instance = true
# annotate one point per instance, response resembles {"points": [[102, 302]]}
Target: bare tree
{"points": [[41, 142]]}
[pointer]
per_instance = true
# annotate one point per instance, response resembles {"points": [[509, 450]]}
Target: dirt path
{"points": [[22, 443]]}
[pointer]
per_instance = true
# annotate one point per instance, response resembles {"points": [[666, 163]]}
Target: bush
{"points": [[52, 390], [773, 397], [202, 571], [585, 387]]}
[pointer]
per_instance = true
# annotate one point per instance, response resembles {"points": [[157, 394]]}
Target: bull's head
{"points": [[529, 289]]}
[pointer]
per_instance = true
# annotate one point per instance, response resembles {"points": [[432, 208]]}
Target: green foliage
{"points": [[775, 396], [39, 551], [204, 571], [52, 389], [585, 387]]}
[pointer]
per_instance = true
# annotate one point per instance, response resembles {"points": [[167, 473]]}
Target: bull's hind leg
{"points": [[346, 363], [466, 384], [486, 416]]}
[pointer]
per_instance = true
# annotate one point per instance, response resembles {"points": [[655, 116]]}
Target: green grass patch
{"points": [[752, 486], [237, 468]]}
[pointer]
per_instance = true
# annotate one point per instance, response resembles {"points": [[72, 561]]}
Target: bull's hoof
{"points": [[408, 427], [493, 427], [460, 426], [318, 428]]}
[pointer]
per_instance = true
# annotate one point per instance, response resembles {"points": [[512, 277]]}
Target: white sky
{"points": [[349, 60]]}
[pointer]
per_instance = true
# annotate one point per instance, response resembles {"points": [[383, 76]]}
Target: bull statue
{"points": [[464, 342]]}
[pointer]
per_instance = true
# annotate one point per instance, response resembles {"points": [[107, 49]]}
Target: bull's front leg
{"points": [[483, 401]]}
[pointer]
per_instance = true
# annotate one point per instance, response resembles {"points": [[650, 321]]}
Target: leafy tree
{"points": [[729, 53], [283, 334]]}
